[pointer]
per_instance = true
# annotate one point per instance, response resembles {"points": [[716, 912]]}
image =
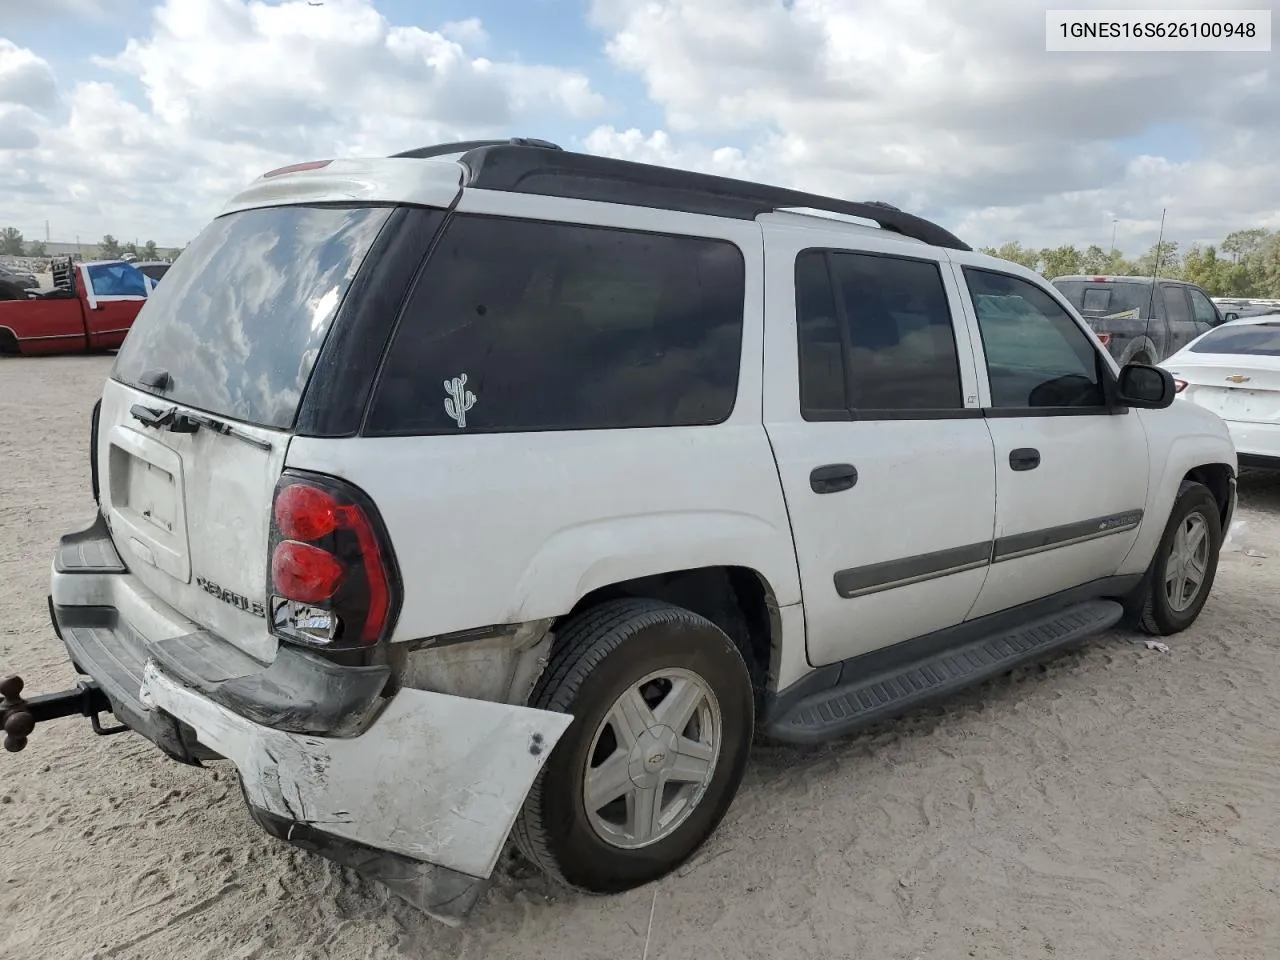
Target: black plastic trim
{"points": [[1051, 538], [342, 380], [88, 551], [918, 648], [437, 891], [875, 577], [94, 418], [1258, 461], [536, 170]]}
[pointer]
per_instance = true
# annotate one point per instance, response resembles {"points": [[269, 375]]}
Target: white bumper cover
{"points": [[435, 778]]}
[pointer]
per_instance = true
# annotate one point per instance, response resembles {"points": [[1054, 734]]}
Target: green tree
{"points": [[1243, 244], [1162, 259], [1061, 261], [130, 247], [36, 249], [1016, 253], [149, 251], [109, 248], [1265, 268], [1095, 260], [11, 242]]}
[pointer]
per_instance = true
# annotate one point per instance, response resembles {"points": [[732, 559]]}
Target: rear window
{"points": [[1254, 339], [1105, 299], [521, 325], [242, 314]]}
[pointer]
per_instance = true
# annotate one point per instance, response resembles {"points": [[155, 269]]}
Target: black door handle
{"points": [[1024, 458], [833, 478]]}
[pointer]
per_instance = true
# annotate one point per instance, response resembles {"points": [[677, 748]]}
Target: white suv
{"points": [[495, 490]]}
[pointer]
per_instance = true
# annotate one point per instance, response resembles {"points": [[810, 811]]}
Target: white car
{"points": [[1234, 371], [495, 491]]}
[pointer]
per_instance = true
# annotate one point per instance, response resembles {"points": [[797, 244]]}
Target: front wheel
{"points": [[663, 713], [1185, 563]]}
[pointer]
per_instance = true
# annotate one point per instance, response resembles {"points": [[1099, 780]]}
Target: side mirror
{"points": [[1145, 387]]}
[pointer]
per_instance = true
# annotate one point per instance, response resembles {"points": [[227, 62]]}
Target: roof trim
{"points": [[531, 169]]}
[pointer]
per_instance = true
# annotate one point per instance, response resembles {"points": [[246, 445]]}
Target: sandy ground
{"points": [[1118, 803]]}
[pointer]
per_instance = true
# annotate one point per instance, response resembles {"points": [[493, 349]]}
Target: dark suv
{"points": [[1140, 320]]}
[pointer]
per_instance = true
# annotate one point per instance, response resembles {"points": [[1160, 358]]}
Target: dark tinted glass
{"points": [[241, 315], [1250, 340], [821, 351], [902, 348], [1095, 299], [525, 325], [1036, 354], [1175, 304], [1201, 307]]}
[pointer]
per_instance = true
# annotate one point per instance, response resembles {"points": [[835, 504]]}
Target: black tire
{"points": [[601, 653], [1157, 616]]}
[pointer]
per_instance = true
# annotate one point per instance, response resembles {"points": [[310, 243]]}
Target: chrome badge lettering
{"points": [[239, 601]]}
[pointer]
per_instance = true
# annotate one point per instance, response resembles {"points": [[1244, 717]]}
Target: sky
{"points": [[141, 118]]}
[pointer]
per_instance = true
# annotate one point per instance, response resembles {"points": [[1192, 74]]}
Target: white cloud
{"points": [[235, 87], [25, 79], [952, 109]]}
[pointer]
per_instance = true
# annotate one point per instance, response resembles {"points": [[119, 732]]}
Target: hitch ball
{"points": [[18, 720]]}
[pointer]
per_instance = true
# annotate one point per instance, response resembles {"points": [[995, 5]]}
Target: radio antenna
{"points": [[1155, 274]]}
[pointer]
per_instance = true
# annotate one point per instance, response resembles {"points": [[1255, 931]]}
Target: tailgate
{"points": [[190, 514]]}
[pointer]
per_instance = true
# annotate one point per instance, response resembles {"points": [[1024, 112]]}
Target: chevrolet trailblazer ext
{"points": [[495, 490]]}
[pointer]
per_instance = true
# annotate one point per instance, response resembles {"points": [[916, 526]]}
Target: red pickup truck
{"points": [[91, 307]]}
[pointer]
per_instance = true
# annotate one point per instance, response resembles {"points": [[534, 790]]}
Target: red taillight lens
{"points": [[1179, 385], [305, 513], [304, 573], [333, 578], [1104, 339]]}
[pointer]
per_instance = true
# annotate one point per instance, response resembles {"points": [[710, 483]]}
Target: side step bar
{"points": [[867, 700]]}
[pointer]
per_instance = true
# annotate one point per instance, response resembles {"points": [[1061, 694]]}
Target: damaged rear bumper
{"points": [[421, 800]]}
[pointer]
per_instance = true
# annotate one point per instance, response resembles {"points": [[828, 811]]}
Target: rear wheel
{"points": [[1185, 563], [663, 715]]}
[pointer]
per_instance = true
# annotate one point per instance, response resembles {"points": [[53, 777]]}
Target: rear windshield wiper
{"points": [[182, 422]]}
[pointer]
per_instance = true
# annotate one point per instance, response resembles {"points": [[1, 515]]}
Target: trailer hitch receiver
{"points": [[19, 717]]}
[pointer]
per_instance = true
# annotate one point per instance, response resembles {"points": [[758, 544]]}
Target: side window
{"points": [[1175, 304], [1036, 354], [876, 336], [1202, 308], [117, 280], [520, 325]]}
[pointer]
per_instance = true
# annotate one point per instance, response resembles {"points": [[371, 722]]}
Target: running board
{"points": [[866, 700]]}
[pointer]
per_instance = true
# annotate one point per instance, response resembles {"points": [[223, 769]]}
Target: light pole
{"points": [[1113, 237]]}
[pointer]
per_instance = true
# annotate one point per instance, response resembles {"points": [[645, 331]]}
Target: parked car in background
{"points": [[91, 307], [16, 284], [1140, 320], [155, 269], [1234, 371], [1233, 308]]}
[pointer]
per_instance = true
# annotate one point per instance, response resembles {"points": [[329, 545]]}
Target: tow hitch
{"points": [[19, 717]]}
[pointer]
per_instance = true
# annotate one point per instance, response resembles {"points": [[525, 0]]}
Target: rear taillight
{"points": [[1104, 339], [1179, 385], [332, 577]]}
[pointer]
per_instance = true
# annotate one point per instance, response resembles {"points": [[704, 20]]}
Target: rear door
{"points": [[1180, 319], [233, 332], [885, 460]]}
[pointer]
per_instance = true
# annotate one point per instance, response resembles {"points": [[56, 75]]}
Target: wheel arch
{"points": [[739, 600]]}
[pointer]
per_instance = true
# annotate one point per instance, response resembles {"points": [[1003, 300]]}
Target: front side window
{"points": [[1202, 308], [1036, 354], [876, 336], [522, 325], [117, 280]]}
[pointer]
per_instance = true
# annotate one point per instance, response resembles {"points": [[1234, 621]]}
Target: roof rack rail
{"points": [[517, 167], [463, 146]]}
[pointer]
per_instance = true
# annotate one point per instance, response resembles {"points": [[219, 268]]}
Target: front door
{"points": [[115, 293], [885, 460], [1071, 471]]}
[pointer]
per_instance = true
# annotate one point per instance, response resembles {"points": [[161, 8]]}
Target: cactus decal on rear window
{"points": [[459, 401]]}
